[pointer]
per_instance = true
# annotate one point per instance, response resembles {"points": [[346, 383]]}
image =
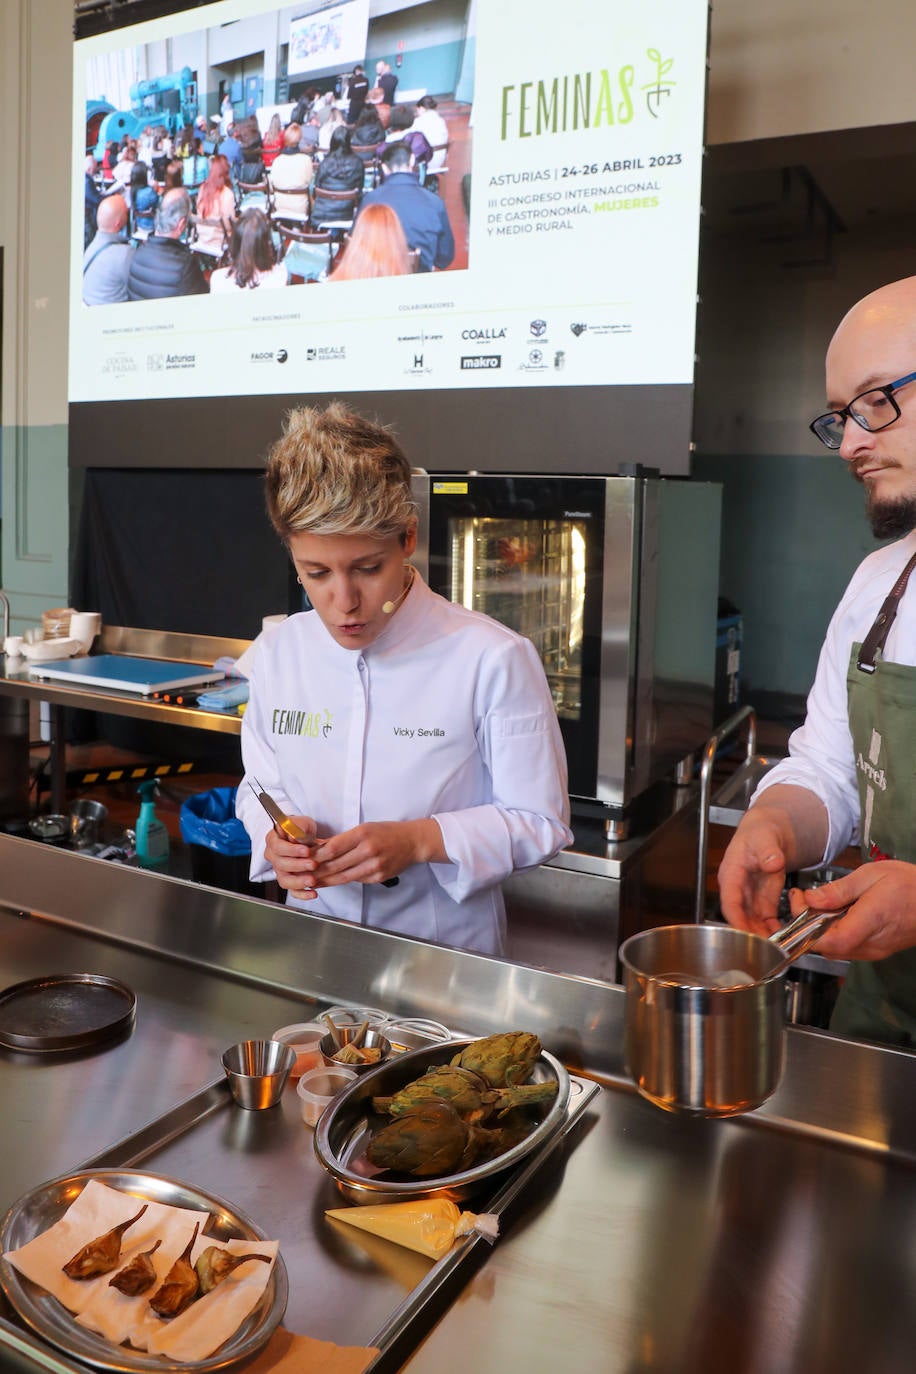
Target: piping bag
{"points": [[430, 1226]]}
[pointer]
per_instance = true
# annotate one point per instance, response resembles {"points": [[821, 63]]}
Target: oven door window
{"points": [[529, 574]]}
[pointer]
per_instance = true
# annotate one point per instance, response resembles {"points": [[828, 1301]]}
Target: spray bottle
{"points": [[152, 836]]}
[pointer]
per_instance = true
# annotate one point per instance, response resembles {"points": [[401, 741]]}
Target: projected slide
{"points": [[332, 38], [529, 216]]}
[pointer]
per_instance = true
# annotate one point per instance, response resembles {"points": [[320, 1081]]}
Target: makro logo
{"points": [[475, 360], [483, 335]]}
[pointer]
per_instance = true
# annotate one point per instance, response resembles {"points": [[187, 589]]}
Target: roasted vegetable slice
{"points": [[214, 1264], [101, 1255], [136, 1276], [180, 1285]]}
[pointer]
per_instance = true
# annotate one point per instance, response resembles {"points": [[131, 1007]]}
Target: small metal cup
{"points": [[258, 1071], [86, 820], [373, 1039]]}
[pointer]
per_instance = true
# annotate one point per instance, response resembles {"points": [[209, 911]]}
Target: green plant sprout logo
{"points": [[656, 89]]}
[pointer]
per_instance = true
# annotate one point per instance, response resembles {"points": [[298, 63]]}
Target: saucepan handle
{"points": [[799, 935]]}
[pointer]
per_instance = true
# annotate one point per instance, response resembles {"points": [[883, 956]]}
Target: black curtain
{"points": [[185, 550]]}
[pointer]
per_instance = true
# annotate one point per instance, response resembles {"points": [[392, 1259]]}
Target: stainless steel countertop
{"points": [[60, 1109], [774, 1243]]}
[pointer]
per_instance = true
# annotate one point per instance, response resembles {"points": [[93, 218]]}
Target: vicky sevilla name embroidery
{"points": [[404, 733]]}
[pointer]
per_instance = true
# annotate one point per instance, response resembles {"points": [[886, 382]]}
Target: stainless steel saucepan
{"points": [[706, 1012]]}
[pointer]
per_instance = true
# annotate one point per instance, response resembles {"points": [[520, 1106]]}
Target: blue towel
{"points": [[224, 698]]}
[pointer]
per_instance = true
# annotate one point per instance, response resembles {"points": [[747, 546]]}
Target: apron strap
{"points": [[879, 632]]}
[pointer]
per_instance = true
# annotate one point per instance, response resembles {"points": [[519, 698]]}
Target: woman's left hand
{"points": [[376, 851], [881, 919]]}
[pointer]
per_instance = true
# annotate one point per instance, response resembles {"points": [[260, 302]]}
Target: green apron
{"points": [[878, 1000]]}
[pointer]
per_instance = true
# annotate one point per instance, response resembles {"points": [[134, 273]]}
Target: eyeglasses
{"points": [[872, 410]]}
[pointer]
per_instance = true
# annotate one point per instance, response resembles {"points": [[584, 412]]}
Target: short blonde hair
{"points": [[334, 472]]}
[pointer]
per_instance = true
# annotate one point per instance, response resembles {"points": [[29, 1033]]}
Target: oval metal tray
{"points": [[347, 1125], [65, 1011], [39, 1209]]}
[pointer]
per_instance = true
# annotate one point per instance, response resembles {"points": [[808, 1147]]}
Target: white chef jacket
{"points": [[821, 754], [447, 714]]}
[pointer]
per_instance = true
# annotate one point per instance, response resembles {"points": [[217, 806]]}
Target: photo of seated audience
{"points": [[215, 212], [422, 212], [367, 133], [429, 122], [174, 174], [143, 202], [375, 248], [107, 259], [273, 140], [290, 178], [163, 265], [334, 120], [382, 107], [341, 170], [400, 130], [252, 257], [354, 175]]}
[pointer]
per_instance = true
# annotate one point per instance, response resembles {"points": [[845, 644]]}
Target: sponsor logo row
{"points": [[537, 354]]}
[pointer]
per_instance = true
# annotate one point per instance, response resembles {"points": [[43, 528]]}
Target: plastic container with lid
{"points": [[355, 1016], [317, 1089], [304, 1038]]}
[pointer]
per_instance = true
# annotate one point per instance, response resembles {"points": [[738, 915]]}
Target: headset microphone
{"points": [[389, 607]]}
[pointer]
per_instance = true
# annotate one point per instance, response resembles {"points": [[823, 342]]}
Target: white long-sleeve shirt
{"points": [[821, 754], [447, 714]]}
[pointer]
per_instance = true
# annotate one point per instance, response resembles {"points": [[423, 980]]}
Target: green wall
{"points": [[793, 532]]}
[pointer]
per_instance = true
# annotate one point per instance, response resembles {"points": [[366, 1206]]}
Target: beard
{"points": [[891, 519]]}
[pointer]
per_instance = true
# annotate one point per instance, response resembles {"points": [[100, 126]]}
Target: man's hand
{"points": [[752, 875], [784, 830], [881, 919]]}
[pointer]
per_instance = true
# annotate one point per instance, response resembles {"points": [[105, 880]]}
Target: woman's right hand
{"points": [[292, 861]]}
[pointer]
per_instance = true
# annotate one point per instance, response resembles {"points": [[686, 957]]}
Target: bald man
{"points": [[851, 774], [106, 262]]}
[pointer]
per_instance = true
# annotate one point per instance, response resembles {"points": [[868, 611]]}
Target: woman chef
{"points": [[414, 739]]}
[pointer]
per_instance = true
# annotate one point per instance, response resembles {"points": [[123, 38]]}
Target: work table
{"points": [[781, 1241]]}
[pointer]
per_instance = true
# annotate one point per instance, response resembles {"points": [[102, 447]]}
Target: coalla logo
{"points": [[483, 335]]}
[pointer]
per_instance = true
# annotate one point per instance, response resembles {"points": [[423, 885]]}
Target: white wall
{"points": [[35, 87], [780, 67]]}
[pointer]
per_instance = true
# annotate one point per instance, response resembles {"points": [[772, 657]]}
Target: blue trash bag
{"points": [[209, 819]]}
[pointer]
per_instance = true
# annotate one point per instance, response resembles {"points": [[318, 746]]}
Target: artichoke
{"points": [[468, 1092], [101, 1255], [504, 1060], [180, 1285], [215, 1264], [136, 1276], [431, 1140]]}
